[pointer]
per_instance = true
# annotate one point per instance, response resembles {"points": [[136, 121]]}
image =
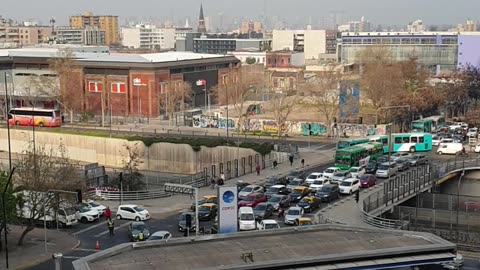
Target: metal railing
{"points": [[385, 223]]}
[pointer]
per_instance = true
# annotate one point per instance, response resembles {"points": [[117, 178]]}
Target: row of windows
{"points": [[32, 113], [407, 139], [120, 87], [398, 41]]}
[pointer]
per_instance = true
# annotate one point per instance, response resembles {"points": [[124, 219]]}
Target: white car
{"points": [[349, 186], [386, 169], [330, 171], [436, 140], [472, 132], [100, 208], [85, 214], [357, 172], [477, 148], [312, 177], [319, 183], [160, 235], [268, 224], [246, 219], [132, 211], [249, 190], [395, 156]]}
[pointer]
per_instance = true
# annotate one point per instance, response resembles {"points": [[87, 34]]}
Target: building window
{"points": [[224, 79], [95, 87], [163, 88], [118, 87]]}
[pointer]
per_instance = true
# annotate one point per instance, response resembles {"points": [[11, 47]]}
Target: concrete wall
{"points": [[315, 43], [162, 157]]}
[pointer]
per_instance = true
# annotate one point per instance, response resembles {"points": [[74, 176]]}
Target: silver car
{"points": [[292, 214], [339, 176], [387, 169]]}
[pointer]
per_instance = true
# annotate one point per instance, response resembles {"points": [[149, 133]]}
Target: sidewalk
{"points": [[312, 158], [33, 250], [347, 211]]}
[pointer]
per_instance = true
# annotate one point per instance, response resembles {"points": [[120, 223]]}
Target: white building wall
{"points": [[315, 43], [131, 37], [298, 59], [168, 40], [258, 56], [283, 39]]}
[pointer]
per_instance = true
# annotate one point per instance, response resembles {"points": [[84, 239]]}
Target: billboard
{"points": [[227, 209]]}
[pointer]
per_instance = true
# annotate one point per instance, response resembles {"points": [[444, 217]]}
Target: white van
{"points": [[246, 219], [450, 148]]}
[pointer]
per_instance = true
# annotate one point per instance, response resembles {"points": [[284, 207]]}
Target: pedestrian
{"points": [[275, 163], [222, 176], [108, 213], [212, 183], [111, 226], [290, 158], [303, 162], [258, 168], [357, 196], [281, 211]]}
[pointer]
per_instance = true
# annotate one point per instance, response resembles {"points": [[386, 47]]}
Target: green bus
{"points": [[428, 124], [358, 155], [406, 142], [344, 143]]}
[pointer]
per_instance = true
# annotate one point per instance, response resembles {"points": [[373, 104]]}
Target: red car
{"points": [[368, 180], [252, 200]]}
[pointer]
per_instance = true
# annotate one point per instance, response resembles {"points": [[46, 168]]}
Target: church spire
{"points": [[201, 21]]}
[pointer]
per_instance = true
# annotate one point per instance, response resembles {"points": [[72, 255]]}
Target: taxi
{"points": [[304, 221], [298, 193], [206, 199]]}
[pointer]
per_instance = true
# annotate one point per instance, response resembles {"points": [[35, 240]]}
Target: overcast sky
{"points": [[377, 11]]}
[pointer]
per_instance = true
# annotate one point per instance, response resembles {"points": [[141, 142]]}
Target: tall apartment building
{"points": [[15, 35], [251, 26], [85, 36], [148, 37], [109, 23], [356, 26], [312, 42]]}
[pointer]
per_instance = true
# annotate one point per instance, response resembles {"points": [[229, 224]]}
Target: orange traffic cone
{"points": [[97, 246]]}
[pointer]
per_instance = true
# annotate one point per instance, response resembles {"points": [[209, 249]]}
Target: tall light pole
{"points": [[458, 201]]}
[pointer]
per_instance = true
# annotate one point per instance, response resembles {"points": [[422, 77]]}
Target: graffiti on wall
{"points": [[290, 127]]}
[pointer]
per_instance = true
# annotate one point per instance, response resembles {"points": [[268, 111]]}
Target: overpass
{"points": [[309, 247]]}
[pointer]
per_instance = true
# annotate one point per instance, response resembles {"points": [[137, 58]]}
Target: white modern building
{"points": [[416, 26], [312, 42], [85, 36], [243, 55], [146, 36]]}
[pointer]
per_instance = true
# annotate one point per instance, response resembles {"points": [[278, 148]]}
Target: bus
{"points": [[343, 143], [27, 116], [358, 155], [406, 142], [428, 124]]}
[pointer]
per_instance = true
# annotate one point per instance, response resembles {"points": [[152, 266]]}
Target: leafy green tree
{"points": [[250, 60]]}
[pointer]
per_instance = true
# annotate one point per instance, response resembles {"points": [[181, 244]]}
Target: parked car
{"points": [[403, 164], [268, 224], [137, 227], [182, 221], [160, 235], [207, 211], [206, 199], [295, 183], [312, 177], [387, 169], [276, 189], [249, 190], [368, 180], [279, 201], [132, 211], [295, 174], [252, 199], [319, 183], [292, 214], [418, 159], [85, 214], [298, 193], [263, 210], [246, 219], [274, 180], [309, 203], [330, 171], [398, 155], [339, 176], [357, 172], [328, 192], [371, 167], [349, 186]]}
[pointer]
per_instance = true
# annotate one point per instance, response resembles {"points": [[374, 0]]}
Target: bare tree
{"points": [[173, 96], [40, 170], [282, 106], [235, 89], [132, 160]]}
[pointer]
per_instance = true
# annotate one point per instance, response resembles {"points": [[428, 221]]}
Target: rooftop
{"points": [[284, 248], [446, 33]]}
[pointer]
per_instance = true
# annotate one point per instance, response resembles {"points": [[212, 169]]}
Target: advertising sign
{"points": [[139, 82], [227, 209]]}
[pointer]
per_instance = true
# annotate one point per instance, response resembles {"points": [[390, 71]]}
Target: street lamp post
{"points": [[458, 201]]}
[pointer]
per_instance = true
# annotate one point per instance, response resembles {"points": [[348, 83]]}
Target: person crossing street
{"points": [[111, 226]]}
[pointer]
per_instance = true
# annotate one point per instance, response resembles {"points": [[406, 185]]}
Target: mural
{"points": [[293, 128]]}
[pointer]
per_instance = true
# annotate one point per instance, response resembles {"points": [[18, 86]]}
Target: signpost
{"points": [[188, 190], [227, 209], [203, 83]]}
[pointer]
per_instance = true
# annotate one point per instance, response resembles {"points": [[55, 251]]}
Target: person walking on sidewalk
{"points": [[303, 162], [258, 168], [111, 226], [275, 163], [108, 213], [290, 158], [212, 183]]}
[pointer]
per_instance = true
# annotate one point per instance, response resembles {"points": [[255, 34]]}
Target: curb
{"points": [[77, 245]]}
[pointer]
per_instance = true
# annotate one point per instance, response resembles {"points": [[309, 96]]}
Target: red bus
{"points": [[27, 116]]}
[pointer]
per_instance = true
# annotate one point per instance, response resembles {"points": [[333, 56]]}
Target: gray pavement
{"points": [[313, 158]]}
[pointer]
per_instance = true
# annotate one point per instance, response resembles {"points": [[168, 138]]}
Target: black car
{"points": [[279, 201], [402, 164], [277, 189], [382, 159], [295, 174], [371, 167], [418, 159], [328, 193], [207, 211], [297, 195], [263, 210], [274, 180], [309, 203]]}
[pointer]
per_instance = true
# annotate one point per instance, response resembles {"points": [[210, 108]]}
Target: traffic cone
{"points": [[97, 246]]}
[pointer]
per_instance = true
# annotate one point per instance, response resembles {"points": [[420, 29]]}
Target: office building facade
{"points": [[85, 36], [148, 37], [109, 23]]}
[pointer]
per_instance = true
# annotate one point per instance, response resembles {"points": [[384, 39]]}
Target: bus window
{"points": [[406, 139], [420, 139], [414, 139], [398, 140], [385, 141]]}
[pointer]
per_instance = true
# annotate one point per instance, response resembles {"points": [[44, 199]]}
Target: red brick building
{"points": [[127, 84]]}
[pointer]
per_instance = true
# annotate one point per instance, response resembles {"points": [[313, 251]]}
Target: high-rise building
{"points": [[201, 22], [109, 23], [144, 36], [251, 26], [81, 36], [16, 35]]}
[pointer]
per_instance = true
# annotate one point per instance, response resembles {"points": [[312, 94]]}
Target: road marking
{"points": [[72, 257], [86, 249], [90, 228], [116, 228]]}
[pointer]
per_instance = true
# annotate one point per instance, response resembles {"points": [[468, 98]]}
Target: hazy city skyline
{"points": [[387, 12]]}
